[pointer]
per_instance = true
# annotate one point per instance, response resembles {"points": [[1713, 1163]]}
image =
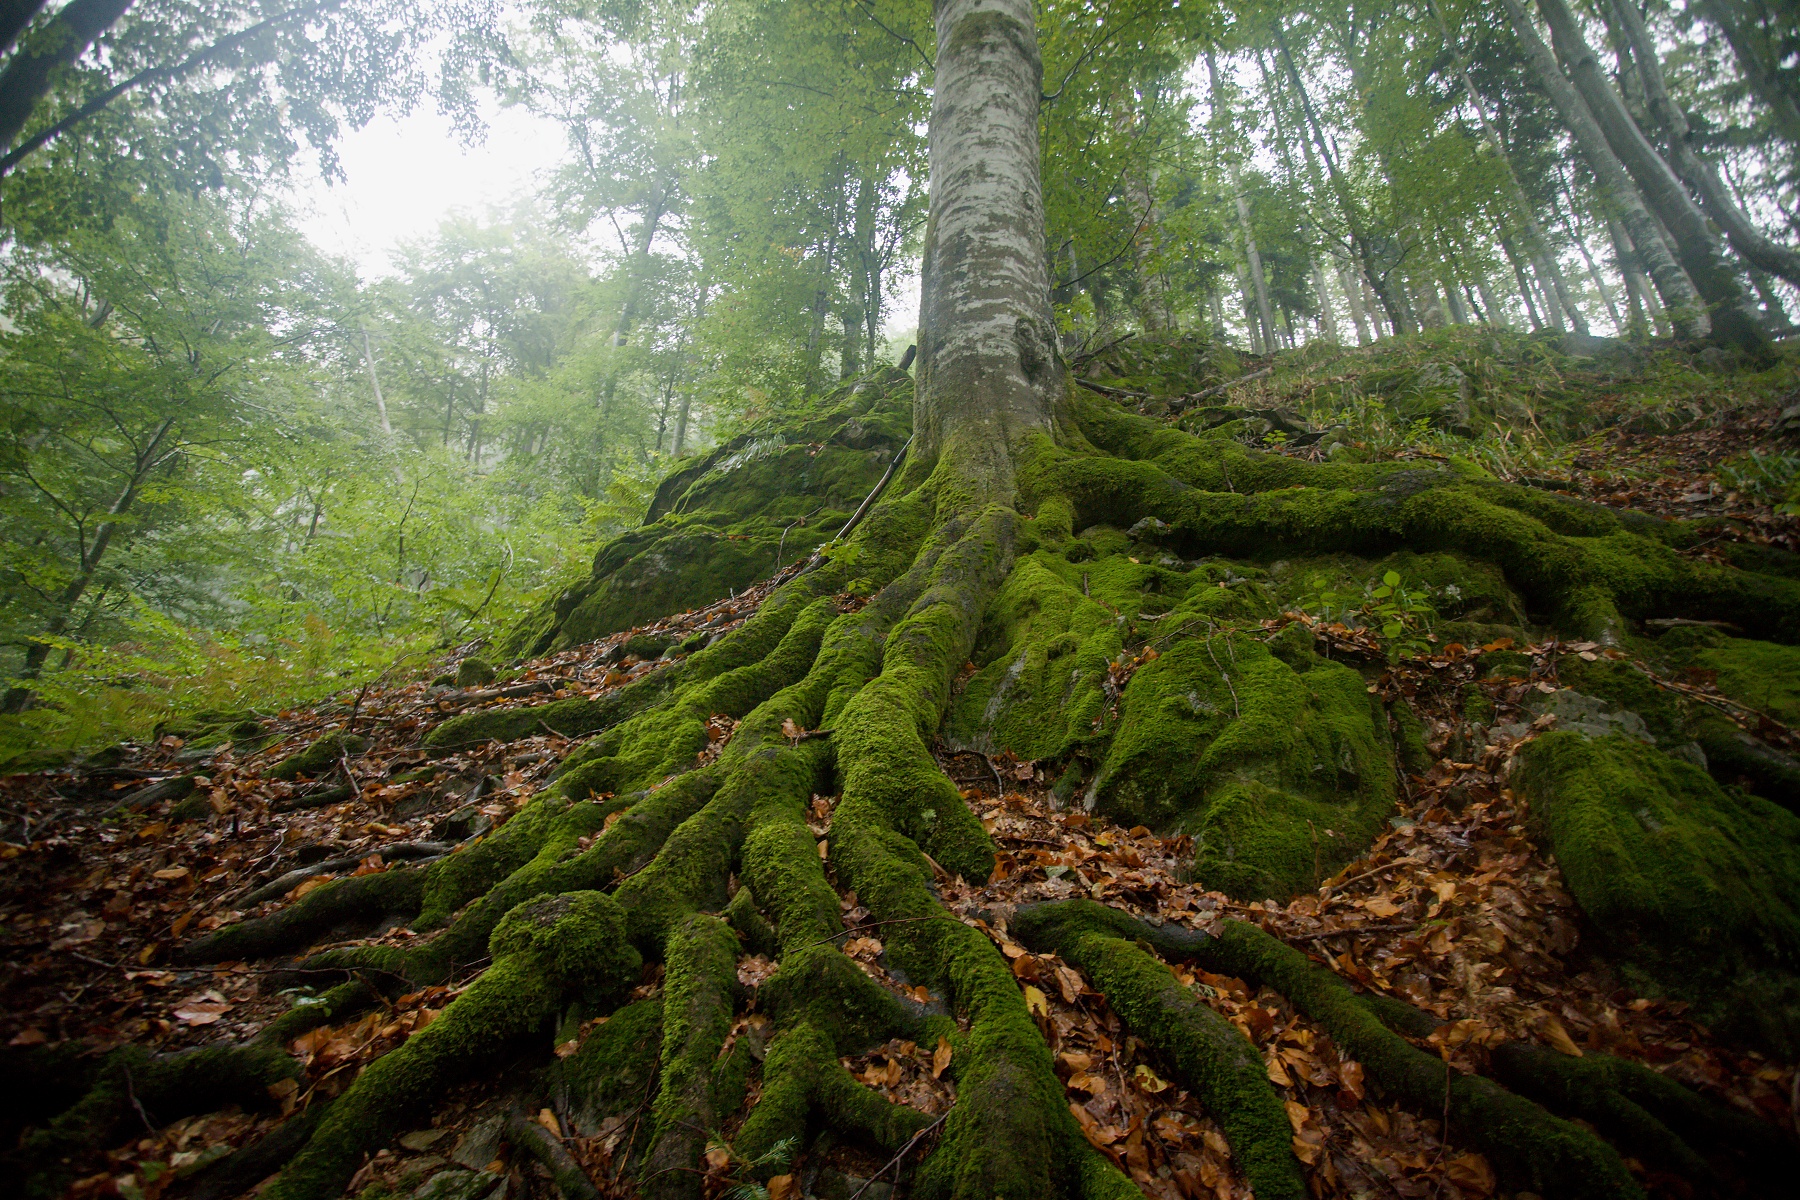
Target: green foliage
{"points": [[1401, 616]]}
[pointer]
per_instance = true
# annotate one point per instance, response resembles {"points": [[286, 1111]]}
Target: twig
{"points": [[904, 1151], [1181, 402], [131, 1093]]}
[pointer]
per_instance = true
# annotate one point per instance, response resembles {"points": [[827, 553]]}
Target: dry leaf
{"points": [[784, 1187], [1471, 1173], [1149, 1080], [1037, 1002], [1559, 1038], [940, 1058], [1088, 1081], [548, 1120]]}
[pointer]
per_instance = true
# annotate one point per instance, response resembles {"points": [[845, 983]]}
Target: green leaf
{"points": [[1391, 629], [1392, 579]]}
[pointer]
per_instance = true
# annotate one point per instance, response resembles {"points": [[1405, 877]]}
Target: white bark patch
{"points": [[988, 369]]}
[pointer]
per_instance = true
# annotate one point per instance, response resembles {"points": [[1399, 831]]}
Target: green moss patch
{"points": [[1280, 775], [1692, 888]]}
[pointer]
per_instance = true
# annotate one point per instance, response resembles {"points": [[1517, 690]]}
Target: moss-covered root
{"points": [[249, 1165], [397, 890], [544, 953], [1203, 1050], [613, 1071], [802, 1074], [134, 1082], [321, 756], [1531, 1150], [338, 1003], [1647, 1114], [547, 1148], [700, 976]]}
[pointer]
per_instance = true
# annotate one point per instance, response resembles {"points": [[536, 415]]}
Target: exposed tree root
{"points": [[654, 845]]}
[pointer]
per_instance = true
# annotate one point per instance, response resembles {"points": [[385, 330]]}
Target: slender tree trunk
{"points": [[1646, 314], [1495, 313], [1555, 302], [637, 266], [1359, 238], [989, 371], [1327, 317], [1252, 255], [1617, 190], [144, 462], [815, 337], [1523, 280], [1733, 317], [1353, 297], [387, 430], [1699, 172], [1760, 70]]}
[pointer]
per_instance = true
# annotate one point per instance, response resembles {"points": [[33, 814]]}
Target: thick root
{"points": [[570, 1180], [1647, 1114], [698, 994], [545, 953], [354, 898], [1204, 1051], [135, 1086], [1530, 1149]]}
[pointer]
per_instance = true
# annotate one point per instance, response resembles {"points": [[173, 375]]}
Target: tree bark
{"points": [[15, 15], [145, 461], [1733, 317], [1617, 191], [1760, 70], [1699, 172], [989, 374], [32, 72]]}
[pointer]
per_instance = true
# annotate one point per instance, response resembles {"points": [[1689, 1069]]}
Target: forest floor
{"points": [[1455, 909]]}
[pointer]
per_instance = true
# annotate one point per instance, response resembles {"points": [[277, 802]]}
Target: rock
{"points": [[1147, 530], [1592, 717], [462, 1185], [423, 1139], [473, 672], [477, 1148]]}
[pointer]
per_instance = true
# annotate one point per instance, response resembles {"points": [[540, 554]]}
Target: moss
{"points": [[1203, 1051], [1692, 887], [1647, 1114], [1530, 1149], [543, 952], [613, 1070], [1280, 776], [752, 928], [344, 1000], [354, 898], [319, 757], [801, 1075], [171, 1085], [473, 672], [699, 977], [821, 988], [732, 517]]}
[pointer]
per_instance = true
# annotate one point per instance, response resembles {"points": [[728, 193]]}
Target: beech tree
{"points": [[1020, 487]]}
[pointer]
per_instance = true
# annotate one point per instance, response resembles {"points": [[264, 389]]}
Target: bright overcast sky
{"points": [[405, 175]]}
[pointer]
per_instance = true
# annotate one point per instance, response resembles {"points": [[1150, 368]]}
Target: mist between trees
{"points": [[233, 470]]}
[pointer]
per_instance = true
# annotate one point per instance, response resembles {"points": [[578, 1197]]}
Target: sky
{"points": [[405, 175]]}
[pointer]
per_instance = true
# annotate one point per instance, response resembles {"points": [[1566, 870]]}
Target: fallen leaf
{"points": [[940, 1058], [1149, 1080], [1036, 1002], [29, 1037], [1381, 906], [1558, 1037], [1088, 1081], [170, 874], [422, 1139], [784, 1187], [548, 1120], [1471, 1173]]}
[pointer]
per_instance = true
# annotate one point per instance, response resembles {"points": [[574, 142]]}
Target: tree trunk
{"points": [[1733, 317], [14, 16], [1699, 172], [1680, 296], [1353, 297], [1646, 313], [148, 457], [989, 372], [1327, 316], [1760, 69], [637, 265], [63, 39]]}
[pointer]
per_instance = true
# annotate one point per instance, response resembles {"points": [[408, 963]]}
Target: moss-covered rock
{"points": [[1280, 775], [733, 516], [319, 757], [1694, 889], [473, 672]]}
